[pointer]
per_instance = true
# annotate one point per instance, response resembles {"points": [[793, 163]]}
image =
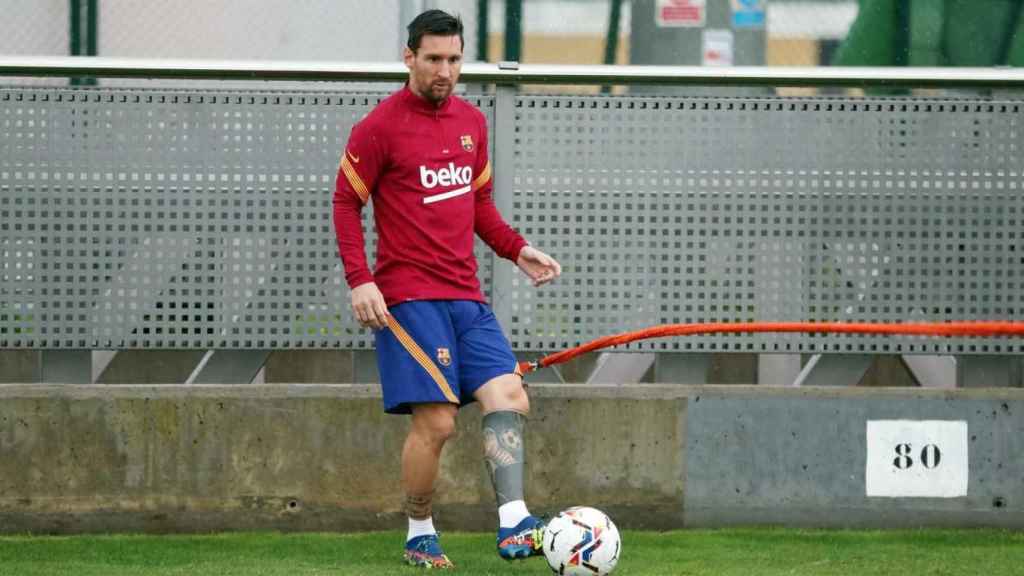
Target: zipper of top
{"points": [[443, 136]]}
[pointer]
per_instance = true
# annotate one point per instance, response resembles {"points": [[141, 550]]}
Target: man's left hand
{"points": [[540, 267]]}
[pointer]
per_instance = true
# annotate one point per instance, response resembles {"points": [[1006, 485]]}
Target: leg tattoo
{"points": [[503, 452], [419, 506]]}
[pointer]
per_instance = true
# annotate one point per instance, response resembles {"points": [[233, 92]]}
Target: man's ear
{"points": [[408, 56]]}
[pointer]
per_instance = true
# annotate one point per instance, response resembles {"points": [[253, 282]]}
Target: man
{"points": [[421, 157]]}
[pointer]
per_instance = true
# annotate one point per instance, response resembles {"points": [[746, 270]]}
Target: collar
{"points": [[422, 104]]}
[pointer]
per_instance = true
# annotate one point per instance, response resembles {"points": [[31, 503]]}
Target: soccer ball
{"points": [[582, 541]]}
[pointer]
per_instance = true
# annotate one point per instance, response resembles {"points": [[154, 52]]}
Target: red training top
{"points": [[428, 173]]}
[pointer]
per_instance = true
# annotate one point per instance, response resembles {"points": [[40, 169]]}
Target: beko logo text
{"points": [[452, 175]]}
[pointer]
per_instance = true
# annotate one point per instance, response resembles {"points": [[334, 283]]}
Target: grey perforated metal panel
{"points": [[201, 219], [175, 219], [681, 210]]}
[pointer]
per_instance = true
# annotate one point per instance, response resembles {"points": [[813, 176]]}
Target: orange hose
{"points": [[913, 329]]}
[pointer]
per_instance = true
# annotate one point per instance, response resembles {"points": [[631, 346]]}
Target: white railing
{"points": [[514, 73]]}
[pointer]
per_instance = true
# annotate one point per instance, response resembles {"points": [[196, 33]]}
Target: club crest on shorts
{"points": [[444, 358], [467, 142]]}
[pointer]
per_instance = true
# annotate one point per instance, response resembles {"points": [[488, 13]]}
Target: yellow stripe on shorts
{"points": [[414, 349]]}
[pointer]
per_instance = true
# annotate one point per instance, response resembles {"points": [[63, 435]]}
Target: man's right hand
{"points": [[368, 306]]}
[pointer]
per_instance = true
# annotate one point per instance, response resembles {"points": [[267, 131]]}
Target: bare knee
{"points": [[504, 393], [517, 399], [434, 423]]}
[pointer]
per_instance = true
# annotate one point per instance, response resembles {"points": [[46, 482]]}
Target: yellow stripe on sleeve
{"points": [[482, 179], [414, 349], [354, 180]]}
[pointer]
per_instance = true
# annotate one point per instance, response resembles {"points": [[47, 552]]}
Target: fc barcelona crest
{"points": [[444, 358], [467, 142]]}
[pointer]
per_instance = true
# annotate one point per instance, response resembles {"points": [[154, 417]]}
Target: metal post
{"points": [[932, 371], [611, 41], [75, 34], [834, 370], [92, 28], [620, 368], [482, 29], [902, 39], [503, 166], [229, 367], [83, 34], [101, 359], [513, 30]]}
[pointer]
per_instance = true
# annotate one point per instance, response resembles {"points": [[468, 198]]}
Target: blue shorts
{"points": [[440, 351]]}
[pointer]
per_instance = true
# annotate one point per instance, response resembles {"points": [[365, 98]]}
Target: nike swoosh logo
{"points": [[352, 157]]}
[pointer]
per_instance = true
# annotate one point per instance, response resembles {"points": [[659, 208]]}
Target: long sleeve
{"points": [[487, 221], [357, 176]]}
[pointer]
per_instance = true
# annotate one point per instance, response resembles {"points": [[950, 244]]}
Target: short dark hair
{"points": [[436, 23]]}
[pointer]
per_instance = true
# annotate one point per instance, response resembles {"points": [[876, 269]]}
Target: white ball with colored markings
{"points": [[582, 541]]}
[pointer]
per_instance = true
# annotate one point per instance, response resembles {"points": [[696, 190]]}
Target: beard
{"points": [[436, 92]]}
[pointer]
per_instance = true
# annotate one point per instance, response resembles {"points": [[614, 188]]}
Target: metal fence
{"points": [[156, 218]]}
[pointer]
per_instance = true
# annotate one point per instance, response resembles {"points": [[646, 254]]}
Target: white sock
{"points": [[512, 513], [420, 528]]}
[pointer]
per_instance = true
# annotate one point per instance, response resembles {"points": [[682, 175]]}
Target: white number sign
{"points": [[916, 458]]}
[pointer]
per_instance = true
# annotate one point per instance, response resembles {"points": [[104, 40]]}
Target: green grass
{"points": [[716, 552]]}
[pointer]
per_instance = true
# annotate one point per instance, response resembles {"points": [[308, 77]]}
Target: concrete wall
{"points": [[324, 457]]}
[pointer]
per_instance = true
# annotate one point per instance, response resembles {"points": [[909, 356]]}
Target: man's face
{"points": [[434, 68]]}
